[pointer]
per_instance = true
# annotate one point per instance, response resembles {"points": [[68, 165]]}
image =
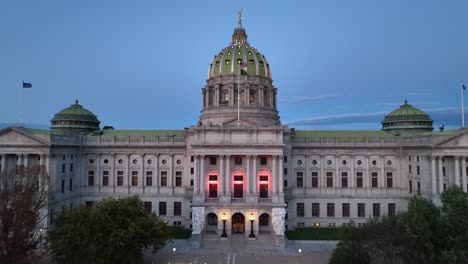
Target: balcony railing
{"points": [[264, 200], [237, 200], [212, 200]]}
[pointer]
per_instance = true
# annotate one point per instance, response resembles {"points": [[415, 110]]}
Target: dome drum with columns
{"points": [[239, 67]]}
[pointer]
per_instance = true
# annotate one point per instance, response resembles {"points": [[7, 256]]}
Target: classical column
{"points": [[306, 176], [221, 174], [156, 173], [274, 175], [382, 177], [457, 170], [367, 175], [254, 174], [464, 173], [247, 158], [202, 174], [26, 160], [337, 172], [195, 176], [322, 178], [19, 159], [228, 175], [216, 95], [3, 156], [281, 174], [433, 175], [142, 183], [441, 176], [114, 173], [170, 180], [352, 175]]}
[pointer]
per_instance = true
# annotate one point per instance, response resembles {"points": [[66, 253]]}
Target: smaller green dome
{"points": [[75, 119], [406, 121]]}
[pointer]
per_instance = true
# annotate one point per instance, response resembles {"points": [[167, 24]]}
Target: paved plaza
{"points": [[242, 251]]}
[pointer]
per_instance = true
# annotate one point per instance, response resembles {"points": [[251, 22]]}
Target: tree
{"points": [[111, 231], [424, 233], [23, 197]]}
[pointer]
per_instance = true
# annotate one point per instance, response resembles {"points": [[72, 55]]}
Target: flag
{"points": [[244, 68], [27, 85], [463, 86]]}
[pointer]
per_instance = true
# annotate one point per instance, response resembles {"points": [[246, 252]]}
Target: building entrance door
{"points": [[238, 223]]}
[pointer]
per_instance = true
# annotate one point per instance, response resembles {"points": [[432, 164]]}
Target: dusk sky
{"points": [[142, 64]]}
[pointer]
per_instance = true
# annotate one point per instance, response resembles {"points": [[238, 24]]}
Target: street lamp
{"points": [[316, 225], [224, 218], [251, 219]]}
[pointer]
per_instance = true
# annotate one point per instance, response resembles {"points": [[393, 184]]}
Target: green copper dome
{"points": [[239, 58], [407, 121], [75, 120]]}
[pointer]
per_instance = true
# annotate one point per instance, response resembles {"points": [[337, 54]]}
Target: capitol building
{"points": [[238, 170]]}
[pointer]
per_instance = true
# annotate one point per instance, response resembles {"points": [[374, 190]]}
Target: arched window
{"points": [[264, 220]]}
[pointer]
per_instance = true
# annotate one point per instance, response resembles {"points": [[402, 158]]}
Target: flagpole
{"points": [[238, 97], [21, 107], [462, 106]]}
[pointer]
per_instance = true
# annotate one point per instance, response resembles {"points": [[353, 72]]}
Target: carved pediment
{"points": [[20, 137], [458, 140]]}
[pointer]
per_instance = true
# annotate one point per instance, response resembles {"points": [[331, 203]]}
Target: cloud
{"points": [[449, 116], [307, 99]]}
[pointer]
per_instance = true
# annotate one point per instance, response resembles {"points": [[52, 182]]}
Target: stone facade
{"points": [[240, 168]]}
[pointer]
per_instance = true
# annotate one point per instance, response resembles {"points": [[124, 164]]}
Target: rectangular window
{"points": [[162, 208], [330, 210], [345, 209], [285, 159], [71, 167], [409, 158], [375, 180], [263, 178], [191, 171], [299, 179], [410, 169], [149, 178], [359, 180], [410, 185], [134, 178], [329, 179], [163, 178], [237, 160], [238, 178], [70, 185], [376, 209], [389, 180], [361, 212], [263, 160], [148, 207], [90, 178], [119, 178], [178, 179], [212, 160], [285, 171], [344, 179], [191, 158], [418, 170], [191, 182], [417, 158], [177, 208], [63, 168], [285, 182], [105, 178], [443, 171], [89, 203], [63, 186], [315, 210], [419, 187], [300, 209], [314, 179], [391, 209]]}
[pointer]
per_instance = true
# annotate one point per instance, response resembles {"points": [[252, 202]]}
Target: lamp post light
{"points": [[224, 218], [251, 219]]}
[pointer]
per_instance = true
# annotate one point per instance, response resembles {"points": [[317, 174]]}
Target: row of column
{"points": [[251, 174], [437, 175], [218, 94], [23, 160]]}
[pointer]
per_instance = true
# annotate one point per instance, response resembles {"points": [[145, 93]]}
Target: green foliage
{"points": [[422, 234], [112, 231], [311, 233], [178, 232]]}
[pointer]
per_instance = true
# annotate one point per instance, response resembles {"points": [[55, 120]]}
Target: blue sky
{"points": [[142, 64]]}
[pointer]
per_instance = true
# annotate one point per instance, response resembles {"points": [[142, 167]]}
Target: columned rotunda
{"points": [[238, 173]]}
